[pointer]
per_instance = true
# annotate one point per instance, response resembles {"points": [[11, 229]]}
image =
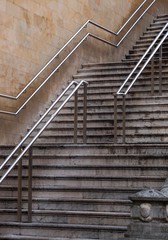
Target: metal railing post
{"points": [[115, 118], [160, 69], [19, 201], [124, 118], [85, 113], [152, 75], [30, 185], [75, 116]]}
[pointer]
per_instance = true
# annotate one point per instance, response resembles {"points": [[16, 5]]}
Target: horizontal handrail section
{"points": [[73, 50], [26, 148]]}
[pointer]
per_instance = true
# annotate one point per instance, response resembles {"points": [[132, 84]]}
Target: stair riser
{"points": [[129, 108], [71, 206], [143, 49], [66, 218], [146, 139], [71, 233], [143, 162], [70, 139], [107, 115], [84, 206], [129, 123], [78, 193], [138, 56], [94, 172], [114, 76], [98, 220], [84, 183], [155, 138], [120, 70], [109, 168], [99, 150]]}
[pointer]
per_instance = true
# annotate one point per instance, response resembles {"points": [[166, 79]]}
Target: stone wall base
{"points": [[147, 231], [149, 217]]}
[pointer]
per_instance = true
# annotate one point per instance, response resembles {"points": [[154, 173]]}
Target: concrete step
{"points": [[25, 237], [148, 138], [122, 68], [152, 114], [130, 99], [130, 106], [103, 65], [71, 204], [155, 27], [107, 131], [143, 45], [76, 192], [84, 149], [162, 16], [105, 160], [90, 171], [108, 138], [74, 231], [153, 33], [111, 74], [142, 181], [146, 40], [143, 50], [70, 217], [138, 54]]}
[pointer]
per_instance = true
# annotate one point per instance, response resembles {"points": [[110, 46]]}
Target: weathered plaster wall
{"points": [[32, 31]]}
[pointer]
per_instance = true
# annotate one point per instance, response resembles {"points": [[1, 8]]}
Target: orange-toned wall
{"points": [[32, 31]]}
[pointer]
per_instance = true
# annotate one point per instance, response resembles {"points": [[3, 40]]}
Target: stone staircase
{"points": [[81, 191]]}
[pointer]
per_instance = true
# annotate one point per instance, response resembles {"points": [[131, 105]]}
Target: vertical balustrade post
{"points": [[115, 118], [85, 113], [75, 116], [160, 69], [152, 75], [124, 118], [30, 185], [19, 200]]}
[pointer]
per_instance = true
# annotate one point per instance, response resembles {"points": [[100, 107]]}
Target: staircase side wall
{"points": [[32, 31]]}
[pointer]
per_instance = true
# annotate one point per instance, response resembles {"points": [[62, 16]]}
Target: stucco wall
{"points": [[32, 31]]}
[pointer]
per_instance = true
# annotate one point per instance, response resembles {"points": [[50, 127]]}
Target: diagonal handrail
{"points": [[159, 40], [69, 41], [119, 92], [77, 86]]}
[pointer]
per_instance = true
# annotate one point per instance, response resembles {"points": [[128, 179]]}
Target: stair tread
{"points": [[28, 237], [59, 225], [103, 201], [65, 212]]}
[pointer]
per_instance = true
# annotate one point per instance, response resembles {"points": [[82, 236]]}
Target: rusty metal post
{"points": [[124, 118], [152, 75], [160, 69], [115, 118], [30, 185], [85, 113], [75, 116], [19, 200]]}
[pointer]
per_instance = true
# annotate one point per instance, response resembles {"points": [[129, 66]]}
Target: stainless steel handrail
{"points": [[41, 130], [161, 37], [119, 92], [69, 41], [51, 74]]}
